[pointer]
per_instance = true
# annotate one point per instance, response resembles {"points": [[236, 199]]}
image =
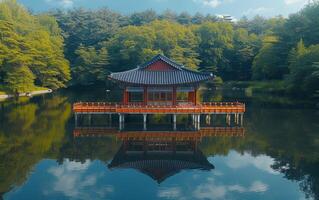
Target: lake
{"points": [[275, 155]]}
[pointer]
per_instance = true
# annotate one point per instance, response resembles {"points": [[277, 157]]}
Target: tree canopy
{"points": [[94, 43], [31, 50]]}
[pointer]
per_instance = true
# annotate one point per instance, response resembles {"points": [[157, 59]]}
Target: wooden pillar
{"points": [[242, 119], [145, 95], [208, 119], [144, 121], [174, 96], [228, 119], [193, 119], [121, 121], [198, 122], [237, 118], [90, 119], [125, 97], [76, 119], [195, 96], [174, 122], [191, 97]]}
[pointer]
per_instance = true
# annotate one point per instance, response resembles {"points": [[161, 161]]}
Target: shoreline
{"points": [[26, 94]]}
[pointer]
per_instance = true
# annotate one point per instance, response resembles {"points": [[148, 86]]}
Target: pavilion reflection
{"points": [[159, 154]]}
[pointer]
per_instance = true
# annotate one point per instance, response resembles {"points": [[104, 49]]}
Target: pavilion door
{"points": [[160, 96]]}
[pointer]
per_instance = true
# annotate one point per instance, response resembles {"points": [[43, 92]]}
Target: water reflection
{"points": [[42, 156], [156, 153], [159, 155]]}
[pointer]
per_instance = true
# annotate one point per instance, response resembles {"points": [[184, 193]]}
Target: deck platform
{"points": [[203, 108]]}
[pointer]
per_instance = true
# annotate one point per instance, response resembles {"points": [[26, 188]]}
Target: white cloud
{"points": [[71, 179], [237, 188], [256, 11], [212, 190], [290, 2], [262, 162], [209, 3], [61, 3], [258, 186], [169, 193], [212, 3]]}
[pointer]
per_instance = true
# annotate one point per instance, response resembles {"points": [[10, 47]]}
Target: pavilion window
{"points": [[169, 96], [182, 96], [136, 97], [160, 96], [151, 96], [135, 94]]}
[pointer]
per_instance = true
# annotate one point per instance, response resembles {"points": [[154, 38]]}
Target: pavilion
{"points": [[161, 86], [160, 81]]}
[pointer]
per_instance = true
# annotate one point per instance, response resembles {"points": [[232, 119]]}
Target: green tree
{"points": [[142, 18], [14, 60], [215, 39], [246, 46], [303, 77], [176, 41], [134, 45], [31, 50], [91, 65], [87, 27], [266, 64]]}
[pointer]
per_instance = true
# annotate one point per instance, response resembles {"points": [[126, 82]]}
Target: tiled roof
{"points": [[163, 58], [174, 77]]}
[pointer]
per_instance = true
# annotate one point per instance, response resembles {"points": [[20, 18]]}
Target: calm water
{"points": [[276, 158]]}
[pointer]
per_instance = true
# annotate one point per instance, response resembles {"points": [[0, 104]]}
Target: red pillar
{"points": [[191, 97], [195, 96], [174, 95], [125, 97], [145, 95]]}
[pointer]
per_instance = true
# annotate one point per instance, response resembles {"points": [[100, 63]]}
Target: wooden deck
{"points": [[203, 108], [137, 135]]}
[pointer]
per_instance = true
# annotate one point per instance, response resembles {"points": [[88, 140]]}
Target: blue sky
{"points": [[236, 8]]}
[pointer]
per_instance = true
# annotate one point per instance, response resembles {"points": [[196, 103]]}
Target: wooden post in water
{"points": [[228, 119], [90, 119], [198, 122], [121, 121], [193, 119], [110, 120], [208, 119], [76, 119], [174, 122], [144, 121], [242, 119]]}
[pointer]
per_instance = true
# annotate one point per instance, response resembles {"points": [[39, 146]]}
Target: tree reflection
{"points": [[30, 132]]}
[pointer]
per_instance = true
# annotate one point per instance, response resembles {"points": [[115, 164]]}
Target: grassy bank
{"points": [[6, 91]]}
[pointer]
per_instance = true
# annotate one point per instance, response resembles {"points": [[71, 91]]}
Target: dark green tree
{"points": [[90, 66]]}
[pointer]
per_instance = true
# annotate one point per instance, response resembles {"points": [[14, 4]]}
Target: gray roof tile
{"points": [[175, 77]]}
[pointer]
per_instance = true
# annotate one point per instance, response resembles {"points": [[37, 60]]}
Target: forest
{"points": [[62, 48]]}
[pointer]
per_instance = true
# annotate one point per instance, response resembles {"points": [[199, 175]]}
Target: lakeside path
{"points": [[26, 94]]}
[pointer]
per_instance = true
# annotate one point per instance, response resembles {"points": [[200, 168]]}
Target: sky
{"points": [[235, 8]]}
